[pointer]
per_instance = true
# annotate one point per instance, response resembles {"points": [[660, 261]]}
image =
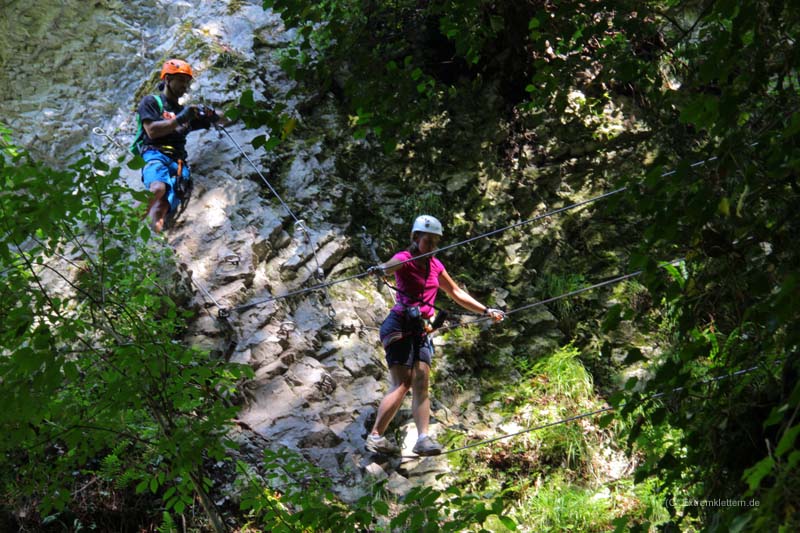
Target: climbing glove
{"points": [[186, 115], [209, 113], [205, 118]]}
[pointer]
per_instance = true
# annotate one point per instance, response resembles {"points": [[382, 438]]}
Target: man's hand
{"points": [[186, 115], [210, 114], [206, 116]]}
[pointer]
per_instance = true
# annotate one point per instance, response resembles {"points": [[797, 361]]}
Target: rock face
{"points": [[318, 373], [319, 367]]}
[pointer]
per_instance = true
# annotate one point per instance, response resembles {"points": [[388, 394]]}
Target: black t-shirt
{"points": [[173, 144]]}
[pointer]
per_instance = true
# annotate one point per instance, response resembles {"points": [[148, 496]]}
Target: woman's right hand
{"points": [[377, 270], [495, 314]]}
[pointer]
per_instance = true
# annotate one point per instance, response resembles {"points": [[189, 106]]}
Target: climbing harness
{"points": [[318, 272], [441, 316], [183, 189]]}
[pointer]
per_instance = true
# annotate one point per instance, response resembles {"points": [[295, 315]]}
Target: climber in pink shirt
{"points": [[404, 336]]}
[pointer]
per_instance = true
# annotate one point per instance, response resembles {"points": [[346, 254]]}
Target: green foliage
{"points": [[168, 524], [253, 114], [343, 36], [559, 506], [551, 285], [296, 497], [398, 64], [549, 473], [91, 360], [729, 306], [559, 377], [713, 79]]}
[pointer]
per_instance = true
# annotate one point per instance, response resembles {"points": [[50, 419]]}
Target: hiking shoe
{"points": [[427, 446], [381, 445]]}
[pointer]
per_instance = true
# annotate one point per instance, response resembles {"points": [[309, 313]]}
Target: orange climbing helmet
{"points": [[176, 66]]}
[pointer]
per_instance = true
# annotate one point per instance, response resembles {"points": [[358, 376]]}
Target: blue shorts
{"points": [[403, 346], [159, 167]]}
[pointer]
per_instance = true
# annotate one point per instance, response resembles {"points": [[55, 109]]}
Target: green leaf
{"points": [[724, 206], [759, 471], [787, 440], [381, 508], [258, 141], [606, 420], [508, 522], [776, 415], [233, 114], [288, 127], [675, 274], [612, 319], [136, 163], [793, 459], [246, 100]]}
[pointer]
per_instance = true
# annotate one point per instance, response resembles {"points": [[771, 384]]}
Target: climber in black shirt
{"points": [[162, 141]]}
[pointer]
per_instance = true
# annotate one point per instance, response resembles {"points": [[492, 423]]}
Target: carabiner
{"points": [[97, 130]]}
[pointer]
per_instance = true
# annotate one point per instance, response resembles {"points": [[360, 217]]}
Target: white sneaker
{"points": [[427, 446], [381, 445]]}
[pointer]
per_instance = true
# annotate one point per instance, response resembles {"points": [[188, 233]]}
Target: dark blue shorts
{"points": [[402, 346]]}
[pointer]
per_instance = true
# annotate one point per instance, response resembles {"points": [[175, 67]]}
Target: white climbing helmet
{"points": [[427, 224]]}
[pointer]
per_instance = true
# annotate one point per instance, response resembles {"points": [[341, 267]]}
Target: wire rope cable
{"points": [[260, 174], [583, 415], [449, 246], [206, 293], [551, 299], [298, 292], [445, 248], [318, 273]]}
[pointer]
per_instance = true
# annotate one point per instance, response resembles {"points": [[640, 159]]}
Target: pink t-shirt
{"points": [[412, 280]]}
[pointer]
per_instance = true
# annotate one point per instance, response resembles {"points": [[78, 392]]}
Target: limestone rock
{"points": [[398, 485]]}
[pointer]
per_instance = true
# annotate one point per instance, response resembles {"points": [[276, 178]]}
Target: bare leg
{"points": [[158, 207], [401, 384], [421, 402]]}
